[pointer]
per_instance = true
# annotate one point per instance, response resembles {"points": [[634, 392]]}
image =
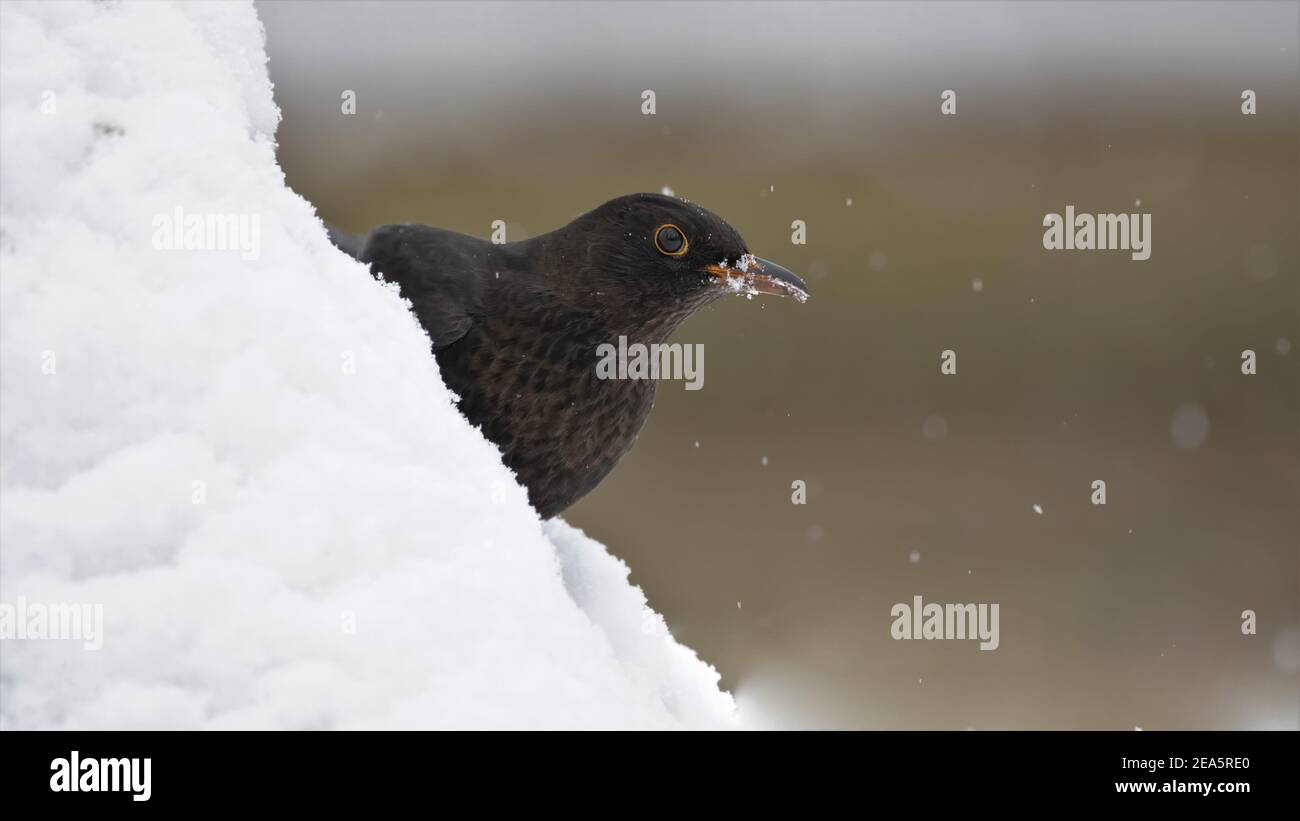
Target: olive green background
{"points": [[1071, 365]]}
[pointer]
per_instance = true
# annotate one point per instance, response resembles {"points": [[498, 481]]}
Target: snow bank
{"points": [[247, 456]]}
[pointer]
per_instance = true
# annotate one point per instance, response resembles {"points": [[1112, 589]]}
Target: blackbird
{"points": [[515, 327]]}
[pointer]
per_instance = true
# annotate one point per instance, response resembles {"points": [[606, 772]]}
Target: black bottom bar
{"points": [[242, 770]]}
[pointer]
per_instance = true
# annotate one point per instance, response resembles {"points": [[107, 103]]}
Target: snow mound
{"points": [[246, 457]]}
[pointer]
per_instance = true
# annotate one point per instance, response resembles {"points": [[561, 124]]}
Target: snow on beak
{"points": [[751, 275]]}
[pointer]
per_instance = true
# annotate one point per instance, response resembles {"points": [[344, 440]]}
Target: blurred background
{"points": [[924, 233]]}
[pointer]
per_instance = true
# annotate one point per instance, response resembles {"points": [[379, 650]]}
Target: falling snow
{"points": [[1190, 426]]}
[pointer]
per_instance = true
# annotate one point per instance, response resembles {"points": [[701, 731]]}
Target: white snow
{"points": [[253, 464]]}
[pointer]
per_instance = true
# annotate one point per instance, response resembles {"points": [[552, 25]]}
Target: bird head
{"points": [[660, 254]]}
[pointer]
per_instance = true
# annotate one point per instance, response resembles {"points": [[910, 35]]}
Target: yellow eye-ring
{"points": [[670, 240]]}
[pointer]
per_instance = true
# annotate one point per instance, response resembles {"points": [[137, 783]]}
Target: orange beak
{"points": [[754, 275]]}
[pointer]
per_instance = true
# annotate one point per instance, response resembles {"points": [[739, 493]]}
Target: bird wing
{"points": [[439, 271]]}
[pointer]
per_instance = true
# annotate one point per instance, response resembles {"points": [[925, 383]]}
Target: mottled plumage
{"points": [[516, 327]]}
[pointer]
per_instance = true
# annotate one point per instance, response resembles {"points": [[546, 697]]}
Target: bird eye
{"points": [[670, 240]]}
